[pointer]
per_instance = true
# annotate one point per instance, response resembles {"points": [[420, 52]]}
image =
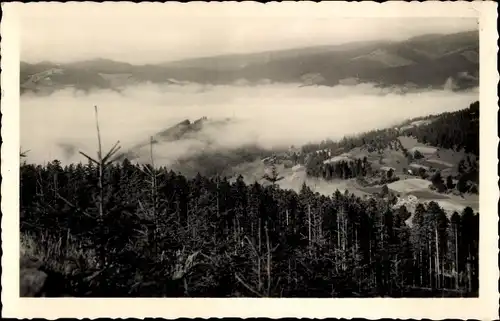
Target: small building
{"points": [[337, 159], [416, 169], [387, 168], [269, 160], [287, 163], [416, 166], [412, 198], [424, 150]]}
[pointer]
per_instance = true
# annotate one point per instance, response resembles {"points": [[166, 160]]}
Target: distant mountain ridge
{"points": [[428, 61]]}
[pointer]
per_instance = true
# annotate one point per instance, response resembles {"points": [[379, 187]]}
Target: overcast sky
{"points": [[158, 32]]}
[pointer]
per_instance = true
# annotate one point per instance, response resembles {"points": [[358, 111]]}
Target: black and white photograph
{"points": [[172, 152]]}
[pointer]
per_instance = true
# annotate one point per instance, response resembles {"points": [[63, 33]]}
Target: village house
{"points": [[415, 169], [387, 169], [424, 150]]}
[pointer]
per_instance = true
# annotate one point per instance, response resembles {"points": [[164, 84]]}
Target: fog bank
{"points": [[57, 126]]}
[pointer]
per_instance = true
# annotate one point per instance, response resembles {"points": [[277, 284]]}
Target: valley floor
{"points": [[406, 186]]}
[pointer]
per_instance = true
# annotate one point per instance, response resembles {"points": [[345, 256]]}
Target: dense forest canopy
{"points": [[153, 232]]}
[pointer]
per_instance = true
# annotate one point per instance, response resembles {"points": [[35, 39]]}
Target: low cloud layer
{"points": [[270, 116]]}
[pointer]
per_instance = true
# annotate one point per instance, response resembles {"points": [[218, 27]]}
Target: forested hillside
{"points": [[139, 231], [454, 130], [453, 139]]}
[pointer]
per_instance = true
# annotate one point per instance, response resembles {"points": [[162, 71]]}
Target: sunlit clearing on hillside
{"points": [[59, 125]]}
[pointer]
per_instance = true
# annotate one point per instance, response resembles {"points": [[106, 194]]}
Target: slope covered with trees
{"points": [[455, 131], [131, 230]]}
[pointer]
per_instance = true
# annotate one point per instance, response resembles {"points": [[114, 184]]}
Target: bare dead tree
{"points": [[22, 154], [102, 163], [262, 260]]}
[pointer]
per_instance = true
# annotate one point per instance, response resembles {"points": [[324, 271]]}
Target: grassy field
{"points": [[428, 194], [409, 142], [437, 164], [409, 185], [434, 159], [443, 160]]}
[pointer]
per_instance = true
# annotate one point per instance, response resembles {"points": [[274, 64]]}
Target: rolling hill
{"points": [[183, 130], [434, 61]]}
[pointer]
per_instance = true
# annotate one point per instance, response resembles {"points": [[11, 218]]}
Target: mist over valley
{"points": [[264, 117], [309, 160]]}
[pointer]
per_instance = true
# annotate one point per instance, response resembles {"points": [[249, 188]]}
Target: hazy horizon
{"points": [[162, 33], [230, 53]]}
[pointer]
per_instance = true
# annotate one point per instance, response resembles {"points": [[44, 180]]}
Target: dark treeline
{"points": [[454, 130], [219, 162], [153, 232], [343, 169], [376, 139]]}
